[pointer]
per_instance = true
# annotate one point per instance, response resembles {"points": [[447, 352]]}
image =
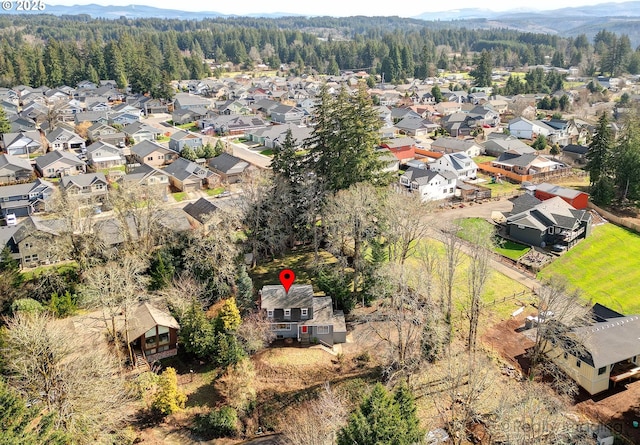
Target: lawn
{"points": [[605, 267], [505, 248], [214, 192], [499, 189], [267, 152], [483, 159], [28, 274], [179, 196]]}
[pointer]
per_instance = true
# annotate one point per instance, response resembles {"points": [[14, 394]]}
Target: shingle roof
{"points": [[274, 296], [183, 169], [610, 341], [144, 148], [84, 180], [200, 209], [145, 317], [226, 162], [57, 155]]}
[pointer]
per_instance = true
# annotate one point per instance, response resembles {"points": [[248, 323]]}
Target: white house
{"points": [[429, 185], [525, 129], [460, 164]]}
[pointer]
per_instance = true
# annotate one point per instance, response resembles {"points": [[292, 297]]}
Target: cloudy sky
{"points": [[402, 8]]}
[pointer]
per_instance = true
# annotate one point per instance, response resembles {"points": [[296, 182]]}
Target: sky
{"points": [[341, 8]]}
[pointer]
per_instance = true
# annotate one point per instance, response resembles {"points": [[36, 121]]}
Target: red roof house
{"points": [[575, 198]]}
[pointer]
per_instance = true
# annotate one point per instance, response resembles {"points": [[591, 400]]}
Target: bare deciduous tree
{"points": [[407, 222], [449, 266], [69, 375], [317, 421]]}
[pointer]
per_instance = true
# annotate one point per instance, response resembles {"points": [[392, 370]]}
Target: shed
{"points": [[576, 198]]}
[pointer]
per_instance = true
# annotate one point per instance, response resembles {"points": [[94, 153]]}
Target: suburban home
{"points": [[402, 148], [199, 213], [21, 124], [101, 155], [553, 222], [59, 163], [526, 164], [575, 198], [429, 185], [34, 240], [416, 126], [181, 116], [87, 186], [452, 145], [181, 139], [525, 129], [232, 124], [147, 175], [299, 315], [575, 153], [188, 176], [152, 333], [228, 167], [495, 146], [185, 101], [141, 132], [14, 169], [25, 199], [461, 124], [460, 164], [154, 154], [106, 133], [23, 143], [285, 114], [91, 116], [601, 354], [63, 139]]}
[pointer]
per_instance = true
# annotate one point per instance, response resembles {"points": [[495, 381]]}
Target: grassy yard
{"points": [[179, 196], [512, 250], [499, 189], [604, 267], [267, 152], [483, 159], [28, 274], [190, 126], [214, 192]]}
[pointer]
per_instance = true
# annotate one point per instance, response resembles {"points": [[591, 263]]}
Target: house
{"points": [[25, 199], [299, 315], [285, 114], [553, 222], [124, 118], [91, 116], [526, 164], [412, 126], [429, 185], [600, 354], [462, 124], [233, 124], [181, 139], [575, 198], [199, 213], [22, 143], [525, 129], [495, 146], [141, 132], [228, 167], [460, 164], [59, 163], [152, 333], [89, 186], [182, 116], [63, 139], [147, 175], [106, 133], [187, 176], [14, 169], [575, 153], [35, 240], [154, 154], [402, 148], [102, 155], [453, 145], [185, 101]]}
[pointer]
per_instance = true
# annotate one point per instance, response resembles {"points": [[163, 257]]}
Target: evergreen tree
{"points": [[436, 93], [228, 319], [244, 286], [599, 153], [482, 73], [626, 160], [5, 126], [219, 148], [196, 331], [161, 270], [208, 151], [169, 398], [380, 420], [188, 153]]}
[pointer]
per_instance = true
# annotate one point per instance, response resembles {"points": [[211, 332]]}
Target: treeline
{"points": [[146, 53]]}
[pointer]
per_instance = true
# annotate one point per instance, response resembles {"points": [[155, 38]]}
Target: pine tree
{"points": [[5, 126], [410, 423], [228, 319], [244, 287], [169, 398], [188, 153], [599, 153]]}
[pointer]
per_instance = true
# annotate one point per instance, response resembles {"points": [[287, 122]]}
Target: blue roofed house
{"points": [[299, 315]]}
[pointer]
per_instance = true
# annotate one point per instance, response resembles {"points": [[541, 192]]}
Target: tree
{"points": [[228, 319], [406, 223], [169, 398], [222, 422], [599, 154], [244, 290], [84, 392], [379, 419], [540, 143], [237, 385], [482, 73], [436, 93], [626, 160], [342, 146], [449, 266], [188, 153], [5, 126], [196, 331]]}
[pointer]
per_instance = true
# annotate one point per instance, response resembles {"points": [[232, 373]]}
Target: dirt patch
{"points": [[505, 339]]}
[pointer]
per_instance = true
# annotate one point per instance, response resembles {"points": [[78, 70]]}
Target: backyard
{"points": [[604, 267]]}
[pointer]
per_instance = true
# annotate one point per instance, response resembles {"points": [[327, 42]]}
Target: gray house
{"points": [[25, 199], [181, 139], [299, 315], [14, 169], [552, 222]]}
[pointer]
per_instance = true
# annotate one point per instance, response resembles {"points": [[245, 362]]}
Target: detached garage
{"points": [[576, 198]]}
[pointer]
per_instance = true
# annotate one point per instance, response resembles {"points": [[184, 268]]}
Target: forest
{"points": [[145, 54]]}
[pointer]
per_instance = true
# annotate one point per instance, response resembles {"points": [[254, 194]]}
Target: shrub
{"points": [[221, 422], [169, 399]]}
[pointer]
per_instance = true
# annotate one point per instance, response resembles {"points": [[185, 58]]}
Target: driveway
{"points": [[273, 439]]}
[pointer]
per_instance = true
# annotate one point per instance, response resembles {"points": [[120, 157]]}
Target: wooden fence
{"points": [[515, 177], [625, 222], [507, 298]]}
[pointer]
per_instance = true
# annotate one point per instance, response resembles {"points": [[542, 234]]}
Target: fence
{"points": [[507, 298], [625, 222], [537, 177]]}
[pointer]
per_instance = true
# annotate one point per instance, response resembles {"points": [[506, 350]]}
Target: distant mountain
{"points": [[115, 12]]}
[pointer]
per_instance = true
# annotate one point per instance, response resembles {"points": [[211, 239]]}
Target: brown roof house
{"points": [[228, 167], [152, 333], [59, 163], [188, 176], [299, 315]]}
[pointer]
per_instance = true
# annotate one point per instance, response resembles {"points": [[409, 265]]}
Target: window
{"points": [[550, 230], [149, 158], [150, 339], [287, 312], [566, 356], [602, 370], [270, 313], [163, 335], [282, 326], [322, 330], [304, 312], [578, 363], [163, 348]]}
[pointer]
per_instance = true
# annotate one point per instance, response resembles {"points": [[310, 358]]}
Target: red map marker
{"points": [[287, 277]]}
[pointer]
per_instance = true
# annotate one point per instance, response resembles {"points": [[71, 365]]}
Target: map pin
{"points": [[287, 277]]}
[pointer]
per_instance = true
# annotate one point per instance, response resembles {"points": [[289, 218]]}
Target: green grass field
{"points": [[512, 250], [179, 196], [215, 191], [605, 267]]}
